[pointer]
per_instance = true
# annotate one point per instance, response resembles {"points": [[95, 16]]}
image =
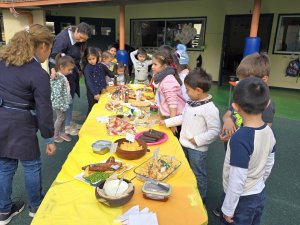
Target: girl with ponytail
{"points": [[169, 97]]}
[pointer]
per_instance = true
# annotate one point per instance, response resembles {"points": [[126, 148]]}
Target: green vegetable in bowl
{"points": [[97, 177]]}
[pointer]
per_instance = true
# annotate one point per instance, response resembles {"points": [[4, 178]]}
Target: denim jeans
{"points": [[69, 115], [32, 172], [248, 210], [196, 160]]}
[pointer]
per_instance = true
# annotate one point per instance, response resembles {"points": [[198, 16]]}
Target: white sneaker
{"points": [[32, 211], [65, 137], [71, 130], [16, 208], [58, 139], [76, 125]]}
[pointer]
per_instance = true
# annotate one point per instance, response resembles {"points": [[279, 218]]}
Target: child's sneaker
{"points": [[71, 130], [32, 211], [58, 139], [16, 208], [217, 212], [76, 125], [65, 137]]}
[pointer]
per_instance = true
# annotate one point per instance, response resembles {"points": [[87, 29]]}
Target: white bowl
{"points": [[111, 187]]}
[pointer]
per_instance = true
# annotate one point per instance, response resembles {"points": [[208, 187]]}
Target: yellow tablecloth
{"points": [[70, 201]]}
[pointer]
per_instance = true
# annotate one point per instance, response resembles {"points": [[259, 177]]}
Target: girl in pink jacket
{"points": [[168, 97]]}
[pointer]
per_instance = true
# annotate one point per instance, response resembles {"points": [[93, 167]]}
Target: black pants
{"points": [[91, 101], [225, 145], [73, 79], [178, 132]]}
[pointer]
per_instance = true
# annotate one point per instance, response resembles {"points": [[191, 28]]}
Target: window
{"points": [[152, 33], [58, 23], [50, 26], [93, 29], [287, 35], [64, 25], [105, 31]]}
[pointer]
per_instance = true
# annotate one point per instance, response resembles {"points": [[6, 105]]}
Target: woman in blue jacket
{"points": [[25, 108], [72, 42]]}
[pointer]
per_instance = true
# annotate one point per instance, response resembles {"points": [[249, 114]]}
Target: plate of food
{"points": [[146, 93], [158, 169], [152, 137], [93, 178], [119, 127], [94, 173], [113, 106]]}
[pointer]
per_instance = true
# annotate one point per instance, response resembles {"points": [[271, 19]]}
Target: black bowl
{"points": [[113, 202]]}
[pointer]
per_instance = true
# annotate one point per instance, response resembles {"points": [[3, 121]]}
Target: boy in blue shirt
{"points": [[249, 157], [254, 65]]}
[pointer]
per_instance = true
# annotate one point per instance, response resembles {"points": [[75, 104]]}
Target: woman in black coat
{"points": [[25, 108], [72, 42]]}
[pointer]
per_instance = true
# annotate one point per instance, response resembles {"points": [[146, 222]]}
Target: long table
{"points": [[70, 201]]}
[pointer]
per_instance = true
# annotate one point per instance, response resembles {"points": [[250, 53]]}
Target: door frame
{"points": [[2, 41], [224, 38], [100, 22]]}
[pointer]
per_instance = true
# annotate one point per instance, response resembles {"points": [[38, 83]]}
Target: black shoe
{"points": [[16, 208], [216, 212], [32, 211]]}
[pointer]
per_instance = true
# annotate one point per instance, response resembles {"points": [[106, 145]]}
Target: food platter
{"points": [[113, 105], [119, 127], [157, 142], [146, 92], [94, 173], [157, 169]]}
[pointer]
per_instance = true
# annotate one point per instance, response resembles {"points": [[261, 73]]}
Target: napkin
{"points": [[143, 218], [126, 222], [133, 210], [134, 216]]}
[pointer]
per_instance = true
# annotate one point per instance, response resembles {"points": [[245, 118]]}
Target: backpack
{"points": [[293, 68]]}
